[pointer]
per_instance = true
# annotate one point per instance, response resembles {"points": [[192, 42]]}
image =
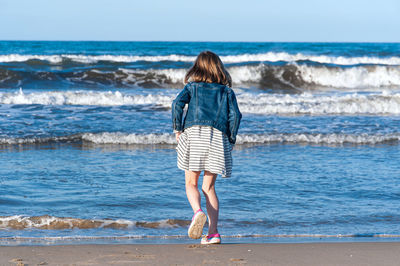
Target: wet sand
{"points": [[357, 253]]}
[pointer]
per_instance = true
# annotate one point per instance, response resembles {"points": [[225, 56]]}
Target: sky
{"points": [[216, 20]]}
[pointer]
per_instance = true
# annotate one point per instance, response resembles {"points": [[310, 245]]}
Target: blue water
{"points": [[87, 152]]}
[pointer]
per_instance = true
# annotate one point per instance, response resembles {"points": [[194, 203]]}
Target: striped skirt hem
{"points": [[204, 148]]}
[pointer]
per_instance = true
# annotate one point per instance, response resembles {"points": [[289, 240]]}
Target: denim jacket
{"points": [[209, 104]]}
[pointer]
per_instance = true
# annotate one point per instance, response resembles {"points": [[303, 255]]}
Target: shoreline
{"points": [[344, 253], [16, 241]]}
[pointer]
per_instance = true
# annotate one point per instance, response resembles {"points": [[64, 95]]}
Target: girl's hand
{"points": [[177, 134]]}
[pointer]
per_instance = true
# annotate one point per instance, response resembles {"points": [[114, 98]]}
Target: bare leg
{"points": [[192, 191], [208, 188]]}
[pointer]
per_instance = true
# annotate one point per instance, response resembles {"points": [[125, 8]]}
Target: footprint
{"points": [[237, 260], [18, 261]]}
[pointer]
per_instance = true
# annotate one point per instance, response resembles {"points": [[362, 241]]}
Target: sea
{"points": [[87, 150]]}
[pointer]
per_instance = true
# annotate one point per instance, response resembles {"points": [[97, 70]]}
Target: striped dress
{"points": [[205, 148]]}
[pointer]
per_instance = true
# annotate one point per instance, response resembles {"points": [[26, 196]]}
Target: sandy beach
{"points": [[371, 253]]}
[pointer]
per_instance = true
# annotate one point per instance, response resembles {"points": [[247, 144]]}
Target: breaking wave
{"points": [[119, 77], [84, 98], [372, 103], [19, 222], [119, 138], [242, 139], [269, 56], [322, 104], [289, 76], [304, 76], [47, 222]]}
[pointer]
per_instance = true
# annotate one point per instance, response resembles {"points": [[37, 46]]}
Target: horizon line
{"points": [[65, 40]]}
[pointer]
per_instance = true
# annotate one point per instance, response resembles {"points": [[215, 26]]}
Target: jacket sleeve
{"points": [[177, 108], [234, 117]]}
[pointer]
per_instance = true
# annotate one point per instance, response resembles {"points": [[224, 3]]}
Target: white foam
{"points": [[159, 76], [320, 104], [123, 138], [374, 103], [53, 223], [54, 59], [169, 138], [47, 222], [354, 77], [320, 76], [283, 56], [13, 141], [84, 98], [318, 138], [269, 56], [244, 74]]}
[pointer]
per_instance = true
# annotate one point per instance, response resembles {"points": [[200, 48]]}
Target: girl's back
{"points": [[209, 104], [205, 137]]}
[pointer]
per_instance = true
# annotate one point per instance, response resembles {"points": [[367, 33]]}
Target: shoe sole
{"points": [[196, 227], [212, 242]]}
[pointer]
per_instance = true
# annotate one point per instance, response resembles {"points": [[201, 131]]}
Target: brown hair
{"points": [[208, 68]]}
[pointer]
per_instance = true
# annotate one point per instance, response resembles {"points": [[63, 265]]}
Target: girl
{"points": [[205, 137]]}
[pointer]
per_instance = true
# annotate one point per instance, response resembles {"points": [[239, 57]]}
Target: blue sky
{"points": [[184, 20]]}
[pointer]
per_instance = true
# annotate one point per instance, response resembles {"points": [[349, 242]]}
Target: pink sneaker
{"points": [[211, 239], [196, 227]]}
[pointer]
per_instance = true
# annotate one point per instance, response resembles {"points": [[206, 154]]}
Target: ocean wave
{"points": [[20, 222], [48, 222], [295, 76], [311, 77], [289, 76], [372, 103], [321, 104], [85, 98], [119, 138], [242, 139], [261, 57], [41, 140], [88, 77]]}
